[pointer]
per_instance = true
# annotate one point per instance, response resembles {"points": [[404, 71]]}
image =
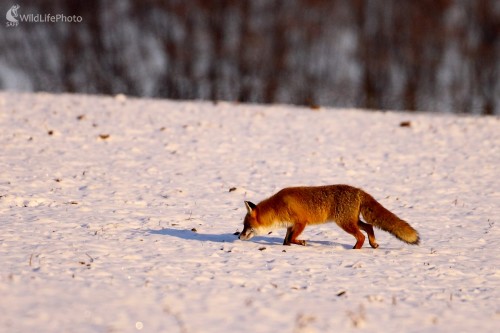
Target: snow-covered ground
{"points": [[116, 215]]}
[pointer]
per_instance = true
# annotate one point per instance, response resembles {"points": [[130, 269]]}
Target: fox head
{"points": [[250, 223]]}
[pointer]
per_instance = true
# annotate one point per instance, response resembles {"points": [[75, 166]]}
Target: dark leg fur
{"points": [[292, 233], [288, 235]]}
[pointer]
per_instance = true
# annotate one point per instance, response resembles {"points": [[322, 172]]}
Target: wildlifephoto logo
{"points": [[14, 17]]}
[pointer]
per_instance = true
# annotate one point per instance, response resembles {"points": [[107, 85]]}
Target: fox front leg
{"points": [[286, 241], [292, 233]]}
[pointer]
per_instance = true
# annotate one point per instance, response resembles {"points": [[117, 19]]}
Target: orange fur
{"points": [[297, 207]]}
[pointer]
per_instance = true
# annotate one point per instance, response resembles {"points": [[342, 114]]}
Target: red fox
{"points": [[296, 207]]}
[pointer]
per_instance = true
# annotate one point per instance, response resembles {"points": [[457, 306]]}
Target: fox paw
{"points": [[298, 242]]}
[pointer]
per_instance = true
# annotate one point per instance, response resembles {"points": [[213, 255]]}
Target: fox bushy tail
{"points": [[375, 214]]}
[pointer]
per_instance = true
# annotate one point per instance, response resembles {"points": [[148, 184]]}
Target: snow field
{"points": [[116, 215]]}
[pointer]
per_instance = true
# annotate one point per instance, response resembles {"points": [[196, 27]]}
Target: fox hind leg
{"points": [[292, 233], [352, 228], [368, 228]]}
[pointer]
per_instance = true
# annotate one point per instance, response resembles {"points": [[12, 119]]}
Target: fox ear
{"points": [[250, 206]]}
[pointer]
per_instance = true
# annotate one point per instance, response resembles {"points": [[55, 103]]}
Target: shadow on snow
{"points": [[231, 238], [217, 238]]}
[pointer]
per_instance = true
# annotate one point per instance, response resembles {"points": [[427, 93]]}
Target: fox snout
{"points": [[246, 234]]}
